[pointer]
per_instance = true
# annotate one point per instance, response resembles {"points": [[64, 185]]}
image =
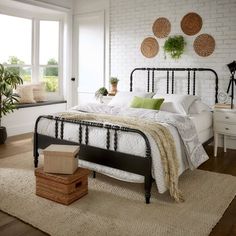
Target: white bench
{"points": [[22, 120]]}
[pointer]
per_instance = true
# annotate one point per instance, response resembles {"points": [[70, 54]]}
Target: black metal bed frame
{"points": [[112, 158], [173, 70]]}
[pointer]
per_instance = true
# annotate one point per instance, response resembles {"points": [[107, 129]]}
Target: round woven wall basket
{"points": [[204, 45], [149, 47], [161, 27], [191, 23]]}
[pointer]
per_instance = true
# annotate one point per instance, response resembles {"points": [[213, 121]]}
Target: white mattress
{"points": [[204, 125], [205, 135]]}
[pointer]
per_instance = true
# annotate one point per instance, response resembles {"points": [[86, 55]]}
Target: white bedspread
{"points": [[128, 143]]}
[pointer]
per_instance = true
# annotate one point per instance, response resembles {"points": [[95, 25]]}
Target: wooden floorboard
{"points": [[11, 226], [224, 163]]}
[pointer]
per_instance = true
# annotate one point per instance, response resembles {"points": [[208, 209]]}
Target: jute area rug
{"points": [[113, 207]]}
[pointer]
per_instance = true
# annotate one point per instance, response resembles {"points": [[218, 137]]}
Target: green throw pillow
{"points": [[147, 103]]}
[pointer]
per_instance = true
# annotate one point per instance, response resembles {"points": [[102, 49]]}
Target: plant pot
{"points": [[3, 134], [113, 89]]}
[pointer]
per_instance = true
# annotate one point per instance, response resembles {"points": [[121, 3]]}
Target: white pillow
{"points": [[198, 107], [168, 106], [124, 99], [25, 93], [177, 103], [39, 92]]}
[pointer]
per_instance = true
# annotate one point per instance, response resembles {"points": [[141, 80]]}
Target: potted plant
{"points": [[113, 81], [101, 92], [174, 46], [8, 82]]}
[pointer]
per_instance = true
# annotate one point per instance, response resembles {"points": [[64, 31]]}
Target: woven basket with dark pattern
{"points": [[204, 45], [161, 27], [191, 23], [149, 47]]}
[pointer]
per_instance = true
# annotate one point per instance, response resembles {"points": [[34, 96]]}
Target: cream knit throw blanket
{"points": [[159, 133]]}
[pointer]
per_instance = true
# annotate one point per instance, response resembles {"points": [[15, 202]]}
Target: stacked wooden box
{"points": [[60, 179], [61, 159]]}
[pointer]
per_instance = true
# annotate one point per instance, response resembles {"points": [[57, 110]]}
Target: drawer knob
{"points": [[226, 128], [226, 117]]}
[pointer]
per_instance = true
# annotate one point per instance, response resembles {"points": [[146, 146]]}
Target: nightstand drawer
{"points": [[225, 128], [225, 117]]}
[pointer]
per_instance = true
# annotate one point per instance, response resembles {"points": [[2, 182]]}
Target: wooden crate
{"points": [[60, 188], [61, 159]]}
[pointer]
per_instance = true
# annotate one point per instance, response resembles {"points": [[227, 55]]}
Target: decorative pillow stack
{"points": [[31, 93]]}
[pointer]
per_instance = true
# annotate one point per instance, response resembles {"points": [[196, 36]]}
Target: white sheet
{"points": [[202, 121], [205, 134]]}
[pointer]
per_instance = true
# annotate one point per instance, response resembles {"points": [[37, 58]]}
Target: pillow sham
{"points": [[180, 103], [198, 107], [39, 92], [25, 93], [124, 99], [147, 103], [169, 107]]}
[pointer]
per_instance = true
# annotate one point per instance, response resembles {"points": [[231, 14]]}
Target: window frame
{"points": [[35, 65]]}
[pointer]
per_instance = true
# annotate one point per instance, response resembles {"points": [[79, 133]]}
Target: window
{"points": [[31, 48], [16, 44], [48, 51]]}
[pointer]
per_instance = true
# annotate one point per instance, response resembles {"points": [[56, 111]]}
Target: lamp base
{"points": [[232, 82]]}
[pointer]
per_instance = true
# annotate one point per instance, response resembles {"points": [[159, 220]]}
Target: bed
{"points": [[124, 151]]}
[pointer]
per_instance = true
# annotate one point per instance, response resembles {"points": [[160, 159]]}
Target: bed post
{"points": [[36, 142], [36, 153], [147, 187]]}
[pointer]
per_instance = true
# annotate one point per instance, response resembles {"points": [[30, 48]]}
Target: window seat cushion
{"points": [[50, 102]]}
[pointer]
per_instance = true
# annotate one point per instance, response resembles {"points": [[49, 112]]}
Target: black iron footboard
{"points": [[111, 158]]}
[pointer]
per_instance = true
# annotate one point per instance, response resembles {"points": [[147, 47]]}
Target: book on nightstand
{"points": [[223, 106]]}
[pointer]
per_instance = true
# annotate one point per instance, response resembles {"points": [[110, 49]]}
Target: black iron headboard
{"points": [[173, 70]]}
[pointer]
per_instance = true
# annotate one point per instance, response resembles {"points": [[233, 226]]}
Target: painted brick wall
{"points": [[131, 21]]}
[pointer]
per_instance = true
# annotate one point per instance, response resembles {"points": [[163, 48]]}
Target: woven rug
{"points": [[114, 207]]}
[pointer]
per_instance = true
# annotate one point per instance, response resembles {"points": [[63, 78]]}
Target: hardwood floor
{"points": [[224, 163]]}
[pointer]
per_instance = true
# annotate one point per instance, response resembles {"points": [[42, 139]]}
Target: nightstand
{"points": [[225, 124]]}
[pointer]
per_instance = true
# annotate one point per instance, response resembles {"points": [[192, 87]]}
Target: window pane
{"points": [[49, 42], [24, 72], [15, 40], [49, 75]]}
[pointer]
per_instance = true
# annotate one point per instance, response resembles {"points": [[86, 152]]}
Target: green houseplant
{"points": [[113, 81], [8, 82], [175, 46], [101, 92]]}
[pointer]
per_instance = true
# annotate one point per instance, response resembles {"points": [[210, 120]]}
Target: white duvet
{"points": [[127, 142]]}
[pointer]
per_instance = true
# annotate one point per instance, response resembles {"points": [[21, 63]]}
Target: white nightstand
{"points": [[225, 124]]}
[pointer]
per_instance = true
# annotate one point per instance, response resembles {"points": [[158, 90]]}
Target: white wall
{"points": [[131, 21]]}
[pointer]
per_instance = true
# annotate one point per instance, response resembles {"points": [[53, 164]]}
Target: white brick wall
{"points": [[131, 21]]}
